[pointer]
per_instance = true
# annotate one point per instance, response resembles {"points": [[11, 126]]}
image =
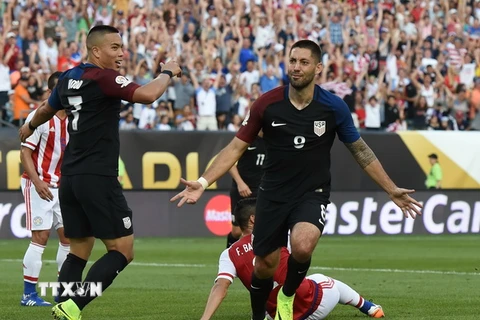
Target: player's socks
{"points": [[104, 270], [62, 252], [72, 270], [353, 298], [32, 264], [230, 240], [296, 272], [259, 291]]}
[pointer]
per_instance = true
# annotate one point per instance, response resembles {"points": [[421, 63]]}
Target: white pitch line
{"points": [[188, 265]]}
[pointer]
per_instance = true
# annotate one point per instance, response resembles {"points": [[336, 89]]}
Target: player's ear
{"points": [[319, 68], [252, 219], [95, 51]]}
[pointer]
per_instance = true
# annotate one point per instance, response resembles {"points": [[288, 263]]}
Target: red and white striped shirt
{"points": [[456, 56], [48, 143]]}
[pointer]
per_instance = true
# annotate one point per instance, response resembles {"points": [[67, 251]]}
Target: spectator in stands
{"points": [[22, 103], [428, 49]]}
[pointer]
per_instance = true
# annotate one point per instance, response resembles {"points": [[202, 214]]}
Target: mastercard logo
{"points": [[218, 215]]}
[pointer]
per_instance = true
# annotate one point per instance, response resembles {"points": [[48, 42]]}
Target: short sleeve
{"points": [[32, 141], [437, 172], [114, 85], [252, 124], [226, 268], [54, 100], [347, 133]]}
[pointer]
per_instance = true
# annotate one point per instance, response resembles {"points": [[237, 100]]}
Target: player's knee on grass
{"points": [[40, 237], [124, 245], [266, 266]]}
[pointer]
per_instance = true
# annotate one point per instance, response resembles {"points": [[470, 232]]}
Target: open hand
{"points": [[407, 204], [193, 191]]}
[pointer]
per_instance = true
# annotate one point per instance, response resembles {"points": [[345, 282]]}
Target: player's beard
{"points": [[303, 82]]}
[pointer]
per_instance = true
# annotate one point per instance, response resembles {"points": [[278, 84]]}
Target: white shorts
{"points": [[330, 298], [41, 214]]}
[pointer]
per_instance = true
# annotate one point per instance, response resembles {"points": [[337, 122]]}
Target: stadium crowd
{"points": [[398, 64]]}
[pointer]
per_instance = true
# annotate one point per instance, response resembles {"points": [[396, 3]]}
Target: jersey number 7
{"points": [[76, 103]]}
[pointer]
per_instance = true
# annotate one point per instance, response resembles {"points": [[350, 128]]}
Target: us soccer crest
{"points": [[127, 223], [319, 127]]}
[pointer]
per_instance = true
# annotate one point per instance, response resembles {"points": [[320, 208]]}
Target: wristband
{"points": [[170, 73], [31, 127], [203, 182]]}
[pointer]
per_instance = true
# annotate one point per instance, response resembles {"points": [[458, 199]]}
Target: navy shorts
{"points": [[94, 206], [273, 220]]}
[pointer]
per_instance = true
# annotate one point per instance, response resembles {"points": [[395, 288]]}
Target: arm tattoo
{"points": [[361, 152]]}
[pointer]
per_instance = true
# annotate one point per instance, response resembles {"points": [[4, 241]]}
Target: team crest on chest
{"points": [[319, 127]]}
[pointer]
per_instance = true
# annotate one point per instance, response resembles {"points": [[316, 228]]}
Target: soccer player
{"points": [[91, 197], [316, 296], [299, 124], [41, 156], [246, 176]]}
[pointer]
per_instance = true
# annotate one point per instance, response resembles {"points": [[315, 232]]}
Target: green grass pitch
{"points": [[414, 277]]}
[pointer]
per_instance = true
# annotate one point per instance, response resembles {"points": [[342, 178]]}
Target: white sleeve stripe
{"points": [[224, 276], [29, 146]]}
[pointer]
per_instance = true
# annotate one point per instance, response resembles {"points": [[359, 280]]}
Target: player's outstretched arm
{"points": [[368, 161], [44, 113], [217, 294], [222, 163], [153, 90]]}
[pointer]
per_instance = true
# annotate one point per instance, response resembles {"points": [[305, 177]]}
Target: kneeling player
{"points": [[314, 299]]}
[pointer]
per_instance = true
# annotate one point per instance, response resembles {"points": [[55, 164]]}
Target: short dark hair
{"points": [[243, 210], [97, 32], [52, 80], [310, 45]]}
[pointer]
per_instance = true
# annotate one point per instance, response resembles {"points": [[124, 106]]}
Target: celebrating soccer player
{"points": [[299, 124], [91, 197]]}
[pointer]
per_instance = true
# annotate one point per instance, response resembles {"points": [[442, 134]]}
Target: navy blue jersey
{"points": [[250, 164], [298, 142], [92, 98]]}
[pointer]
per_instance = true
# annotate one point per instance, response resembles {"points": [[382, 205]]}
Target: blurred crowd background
{"points": [[399, 65]]}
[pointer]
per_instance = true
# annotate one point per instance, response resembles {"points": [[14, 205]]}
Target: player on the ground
{"points": [[91, 197], [316, 296], [246, 176], [41, 157], [299, 124]]}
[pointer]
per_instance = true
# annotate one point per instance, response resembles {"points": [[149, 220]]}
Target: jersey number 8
{"points": [[76, 104]]}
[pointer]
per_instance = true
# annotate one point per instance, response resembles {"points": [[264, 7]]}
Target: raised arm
{"points": [[153, 90]]}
